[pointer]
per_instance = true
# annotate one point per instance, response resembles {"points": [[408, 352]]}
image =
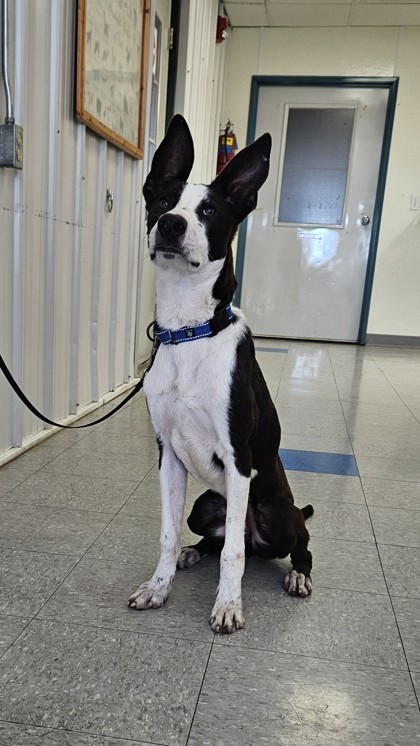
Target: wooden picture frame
{"points": [[111, 75]]}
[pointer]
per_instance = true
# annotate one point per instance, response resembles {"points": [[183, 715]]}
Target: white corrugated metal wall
{"points": [[204, 80], [69, 267], [70, 271]]}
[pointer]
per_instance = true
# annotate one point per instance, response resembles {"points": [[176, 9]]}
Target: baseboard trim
{"points": [[392, 340]]}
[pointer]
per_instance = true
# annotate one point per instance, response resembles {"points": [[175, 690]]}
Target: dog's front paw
{"points": [[188, 557], [149, 595], [298, 584], [227, 617]]}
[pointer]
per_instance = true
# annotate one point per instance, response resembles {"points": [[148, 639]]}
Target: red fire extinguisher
{"points": [[227, 146]]}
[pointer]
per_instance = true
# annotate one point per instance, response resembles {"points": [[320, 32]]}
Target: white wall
{"points": [[395, 306], [68, 284]]}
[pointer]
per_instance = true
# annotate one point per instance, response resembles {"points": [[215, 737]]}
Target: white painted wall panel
{"points": [[201, 106]]}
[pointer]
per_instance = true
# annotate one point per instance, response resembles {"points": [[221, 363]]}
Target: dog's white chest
{"points": [[188, 394]]}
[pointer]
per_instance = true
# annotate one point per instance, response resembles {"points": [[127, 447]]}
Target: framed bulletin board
{"points": [[111, 78]]}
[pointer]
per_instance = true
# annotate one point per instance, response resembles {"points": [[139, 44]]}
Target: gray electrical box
{"points": [[11, 145]]}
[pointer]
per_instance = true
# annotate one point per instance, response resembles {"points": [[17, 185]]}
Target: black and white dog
{"points": [[208, 401]]}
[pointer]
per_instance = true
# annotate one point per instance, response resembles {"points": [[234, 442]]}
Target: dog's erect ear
{"points": [[172, 161], [243, 176]]}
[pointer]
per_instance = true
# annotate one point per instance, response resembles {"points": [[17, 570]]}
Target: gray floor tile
{"points": [[66, 438], [332, 624], [96, 593], [374, 429], [290, 701], [402, 569], [346, 521], [134, 420], [146, 497], [306, 428], [339, 564], [388, 493], [308, 486], [309, 401], [407, 470], [9, 482], [407, 611], [14, 470], [144, 447], [102, 682], [416, 683], [129, 539], [316, 442], [36, 528], [145, 500], [336, 564], [393, 526], [34, 459], [394, 408], [28, 579], [99, 464], [294, 417], [388, 446], [75, 492], [10, 629], [12, 734]]}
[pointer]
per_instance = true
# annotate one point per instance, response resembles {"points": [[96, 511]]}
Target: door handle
{"points": [[365, 220]]}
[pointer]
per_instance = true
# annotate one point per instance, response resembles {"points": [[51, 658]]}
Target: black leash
{"points": [[5, 370]]}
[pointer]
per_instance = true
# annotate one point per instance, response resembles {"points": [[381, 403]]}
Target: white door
{"points": [[307, 243]]}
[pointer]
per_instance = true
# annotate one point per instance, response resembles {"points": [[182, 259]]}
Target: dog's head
{"points": [[191, 225]]}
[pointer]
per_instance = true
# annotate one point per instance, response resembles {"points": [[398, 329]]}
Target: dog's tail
{"points": [[307, 511]]}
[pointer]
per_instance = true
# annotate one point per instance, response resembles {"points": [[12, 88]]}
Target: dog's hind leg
{"points": [[298, 581], [191, 555], [207, 519]]}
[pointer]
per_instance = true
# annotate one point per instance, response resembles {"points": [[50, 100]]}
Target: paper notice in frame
{"points": [[112, 56]]}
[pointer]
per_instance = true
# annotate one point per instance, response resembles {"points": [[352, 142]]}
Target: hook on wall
{"points": [[109, 199]]}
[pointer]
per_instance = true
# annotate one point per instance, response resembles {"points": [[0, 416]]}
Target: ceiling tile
{"points": [[386, 2], [246, 14], [313, 13], [385, 15], [308, 15], [310, 2]]}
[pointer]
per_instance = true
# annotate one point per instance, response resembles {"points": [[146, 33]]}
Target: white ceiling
{"points": [[310, 13]]}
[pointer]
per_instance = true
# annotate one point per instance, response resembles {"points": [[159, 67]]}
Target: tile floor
{"points": [[79, 526]]}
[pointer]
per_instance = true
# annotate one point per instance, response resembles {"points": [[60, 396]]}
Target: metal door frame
{"points": [[391, 84]]}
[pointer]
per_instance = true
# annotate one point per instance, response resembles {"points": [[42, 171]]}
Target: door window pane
{"points": [[315, 166]]}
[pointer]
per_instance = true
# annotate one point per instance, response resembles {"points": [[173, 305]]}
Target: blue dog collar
{"points": [[189, 333]]}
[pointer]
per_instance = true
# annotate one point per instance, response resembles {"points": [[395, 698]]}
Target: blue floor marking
{"points": [[271, 349], [320, 462]]}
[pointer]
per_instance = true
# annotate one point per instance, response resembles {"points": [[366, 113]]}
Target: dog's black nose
{"points": [[171, 225]]}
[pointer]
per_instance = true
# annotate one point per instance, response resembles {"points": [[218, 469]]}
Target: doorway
{"points": [[306, 255]]}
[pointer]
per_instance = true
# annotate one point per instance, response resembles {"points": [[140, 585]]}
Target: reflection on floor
{"points": [[79, 528]]}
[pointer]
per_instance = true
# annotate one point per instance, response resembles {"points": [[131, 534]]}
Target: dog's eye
{"points": [[163, 203], [208, 210]]}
